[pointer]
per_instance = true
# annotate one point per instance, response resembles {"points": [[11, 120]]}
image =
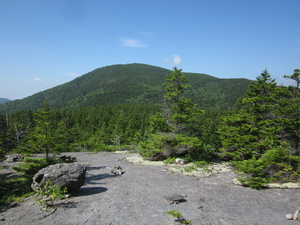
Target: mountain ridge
{"points": [[3, 100], [132, 84]]}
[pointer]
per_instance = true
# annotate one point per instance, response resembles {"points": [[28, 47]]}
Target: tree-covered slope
{"points": [[132, 84], [3, 100]]}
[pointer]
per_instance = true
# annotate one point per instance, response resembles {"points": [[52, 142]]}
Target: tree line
{"points": [[260, 134]]}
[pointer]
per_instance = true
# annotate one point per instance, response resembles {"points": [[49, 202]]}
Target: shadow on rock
{"points": [[95, 168], [85, 191], [95, 178], [67, 205]]}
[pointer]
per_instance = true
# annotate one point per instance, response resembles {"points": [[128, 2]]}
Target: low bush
{"points": [[13, 189], [178, 217], [47, 194]]}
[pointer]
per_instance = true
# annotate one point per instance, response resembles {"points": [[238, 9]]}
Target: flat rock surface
{"points": [[137, 198]]}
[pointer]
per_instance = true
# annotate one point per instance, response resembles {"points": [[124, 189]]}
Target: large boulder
{"points": [[69, 175]]}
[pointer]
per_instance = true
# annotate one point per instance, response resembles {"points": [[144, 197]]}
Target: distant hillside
{"points": [[3, 100], [132, 84]]}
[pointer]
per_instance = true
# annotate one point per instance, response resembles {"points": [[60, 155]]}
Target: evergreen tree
{"points": [[290, 107], [252, 128], [3, 133], [254, 135], [42, 136], [170, 135], [178, 109], [175, 86]]}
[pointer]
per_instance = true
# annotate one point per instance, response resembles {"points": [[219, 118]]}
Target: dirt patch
{"points": [[137, 197]]}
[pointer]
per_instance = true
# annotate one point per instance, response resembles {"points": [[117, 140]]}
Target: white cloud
{"points": [[37, 79], [174, 60], [71, 74], [133, 43]]}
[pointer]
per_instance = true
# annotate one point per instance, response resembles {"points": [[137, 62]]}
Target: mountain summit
{"points": [[132, 84]]}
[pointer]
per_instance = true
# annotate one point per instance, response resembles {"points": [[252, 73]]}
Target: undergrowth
{"points": [[178, 217], [12, 190], [47, 194]]}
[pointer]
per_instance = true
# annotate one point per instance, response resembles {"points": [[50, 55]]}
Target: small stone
{"points": [[117, 170], [295, 217], [179, 161], [289, 216]]}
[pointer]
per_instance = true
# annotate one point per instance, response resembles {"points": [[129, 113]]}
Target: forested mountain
{"points": [[114, 108], [3, 100], [132, 84]]}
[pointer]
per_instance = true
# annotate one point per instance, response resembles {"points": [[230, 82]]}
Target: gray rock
{"points": [[14, 158], [289, 216], [69, 175], [175, 198], [117, 170], [296, 214], [179, 161]]}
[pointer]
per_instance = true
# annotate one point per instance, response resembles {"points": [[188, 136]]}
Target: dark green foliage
{"points": [[176, 85], [164, 145], [101, 111], [3, 100], [52, 192], [170, 128], [261, 136], [178, 217], [13, 188], [131, 84], [42, 138], [3, 134], [33, 165], [92, 128], [158, 123], [290, 109]]}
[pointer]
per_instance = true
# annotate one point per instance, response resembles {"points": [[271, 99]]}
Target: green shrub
{"points": [[166, 145], [178, 217], [33, 165], [13, 189], [169, 160], [51, 192], [189, 169], [201, 164], [153, 148]]}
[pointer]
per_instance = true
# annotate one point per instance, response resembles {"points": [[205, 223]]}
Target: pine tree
{"points": [[290, 109], [254, 136], [42, 138], [3, 133], [170, 135], [178, 109], [250, 130], [175, 86]]}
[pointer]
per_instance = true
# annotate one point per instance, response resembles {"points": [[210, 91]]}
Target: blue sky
{"points": [[50, 42]]}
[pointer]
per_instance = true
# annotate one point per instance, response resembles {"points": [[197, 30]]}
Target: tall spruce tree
{"points": [[290, 110], [42, 137], [3, 134], [170, 135], [247, 132], [253, 136]]}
